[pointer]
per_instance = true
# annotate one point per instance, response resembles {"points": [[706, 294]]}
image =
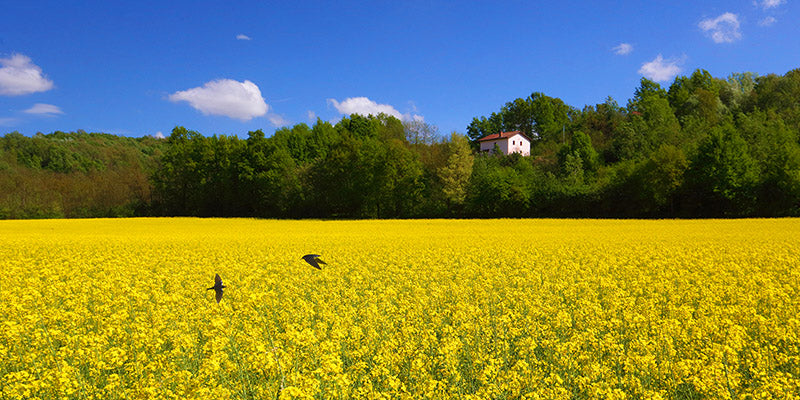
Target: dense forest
{"points": [[77, 175], [704, 147]]}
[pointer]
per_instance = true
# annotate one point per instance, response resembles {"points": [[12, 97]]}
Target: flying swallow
{"points": [[218, 286], [314, 260]]}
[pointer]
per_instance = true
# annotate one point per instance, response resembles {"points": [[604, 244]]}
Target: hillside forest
{"points": [[702, 147]]}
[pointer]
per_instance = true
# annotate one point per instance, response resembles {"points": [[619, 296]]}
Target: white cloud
{"points": [[723, 29], [312, 116], [365, 106], [44, 109], [242, 36], [159, 135], [768, 21], [766, 4], [277, 120], [20, 76], [226, 97], [623, 49], [660, 70]]}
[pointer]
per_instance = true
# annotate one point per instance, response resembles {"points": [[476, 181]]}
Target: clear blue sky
{"points": [[141, 67]]}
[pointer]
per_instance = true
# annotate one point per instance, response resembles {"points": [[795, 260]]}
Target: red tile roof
{"points": [[503, 135]]}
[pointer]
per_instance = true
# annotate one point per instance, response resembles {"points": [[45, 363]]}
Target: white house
{"points": [[507, 142]]}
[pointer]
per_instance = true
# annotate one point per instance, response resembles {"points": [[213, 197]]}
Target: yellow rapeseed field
{"points": [[458, 309]]}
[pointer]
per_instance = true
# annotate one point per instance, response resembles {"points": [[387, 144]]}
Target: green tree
{"points": [[178, 183], [455, 174], [573, 170], [736, 90], [580, 148], [551, 116], [722, 176], [496, 190], [480, 127], [601, 123], [774, 147], [661, 177], [400, 180], [651, 123]]}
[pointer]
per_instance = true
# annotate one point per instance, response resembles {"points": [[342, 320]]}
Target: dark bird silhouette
{"points": [[314, 260], [218, 286]]}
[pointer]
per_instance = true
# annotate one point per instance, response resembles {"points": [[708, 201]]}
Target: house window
{"points": [[512, 142]]}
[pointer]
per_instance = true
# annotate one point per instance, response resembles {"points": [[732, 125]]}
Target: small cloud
{"points": [[242, 37], [365, 106], [159, 135], [44, 109], [19, 76], [623, 49], [312, 116], [767, 4], [226, 97], [723, 29], [277, 120], [660, 70], [768, 21]]}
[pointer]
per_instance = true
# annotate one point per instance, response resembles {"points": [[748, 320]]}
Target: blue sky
{"points": [[138, 68]]}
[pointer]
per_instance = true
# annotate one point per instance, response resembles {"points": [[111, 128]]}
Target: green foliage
{"points": [[651, 123], [539, 117], [707, 147], [76, 174], [480, 127], [455, 174], [497, 189], [579, 152], [737, 90], [602, 123], [723, 175]]}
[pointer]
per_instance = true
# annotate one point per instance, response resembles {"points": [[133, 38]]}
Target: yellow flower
{"points": [[440, 309]]}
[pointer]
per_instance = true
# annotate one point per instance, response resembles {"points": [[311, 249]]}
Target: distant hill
{"points": [[76, 174]]}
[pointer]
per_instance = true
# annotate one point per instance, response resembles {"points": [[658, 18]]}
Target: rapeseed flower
{"points": [[550, 309]]}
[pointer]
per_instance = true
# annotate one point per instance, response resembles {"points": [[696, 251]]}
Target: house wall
{"points": [[521, 145], [489, 145]]}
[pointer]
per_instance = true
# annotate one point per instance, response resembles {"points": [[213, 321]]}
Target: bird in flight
{"points": [[218, 286], [314, 260]]}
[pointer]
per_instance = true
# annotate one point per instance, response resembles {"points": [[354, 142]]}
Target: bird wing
{"points": [[217, 281], [219, 294], [313, 260]]}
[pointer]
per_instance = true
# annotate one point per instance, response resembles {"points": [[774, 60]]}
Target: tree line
{"points": [[703, 147], [77, 175]]}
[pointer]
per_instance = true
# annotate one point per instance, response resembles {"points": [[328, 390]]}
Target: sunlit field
{"points": [[463, 309]]}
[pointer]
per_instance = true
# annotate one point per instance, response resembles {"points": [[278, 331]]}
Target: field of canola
{"points": [[460, 309]]}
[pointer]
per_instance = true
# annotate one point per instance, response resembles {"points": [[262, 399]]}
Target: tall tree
{"points": [[651, 123], [722, 176], [551, 116], [455, 174]]}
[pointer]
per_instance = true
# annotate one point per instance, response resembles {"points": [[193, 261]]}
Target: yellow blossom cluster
{"points": [[435, 309]]}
